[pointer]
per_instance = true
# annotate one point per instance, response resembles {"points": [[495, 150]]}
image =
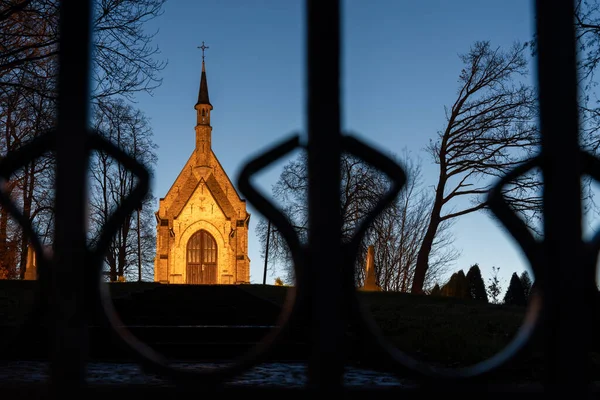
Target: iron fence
{"points": [[325, 296]]}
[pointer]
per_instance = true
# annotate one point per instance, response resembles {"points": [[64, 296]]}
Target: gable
{"points": [[203, 188], [215, 179], [226, 183], [220, 197], [201, 205], [186, 190]]}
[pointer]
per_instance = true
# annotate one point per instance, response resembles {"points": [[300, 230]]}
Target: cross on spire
{"points": [[203, 47]]}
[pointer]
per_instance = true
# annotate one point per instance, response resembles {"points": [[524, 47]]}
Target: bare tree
{"points": [[28, 32], [396, 234], [28, 45], [123, 58], [490, 129], [111, 182], [587, 25], [123, 62], [23, 116]]}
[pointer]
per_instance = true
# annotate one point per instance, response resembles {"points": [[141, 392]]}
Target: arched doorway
{"points": [[201, 259]]}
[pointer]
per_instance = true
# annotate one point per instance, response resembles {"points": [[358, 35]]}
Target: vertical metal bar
{"points": [[267, 253], [69, 333], [565, 273], [139, 246], [324, 147]]}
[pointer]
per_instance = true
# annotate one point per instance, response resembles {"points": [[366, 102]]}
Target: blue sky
{"points": [[400, 67]]}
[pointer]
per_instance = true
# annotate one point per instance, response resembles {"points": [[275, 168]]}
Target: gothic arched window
{"points": [[201, 259]]}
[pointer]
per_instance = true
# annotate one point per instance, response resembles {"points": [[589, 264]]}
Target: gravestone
{"points": [[370, 277], [31, 266]]}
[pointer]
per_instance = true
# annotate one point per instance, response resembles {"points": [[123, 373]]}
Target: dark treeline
{"points": [[489, 129], [124, 63], [471, 286]]}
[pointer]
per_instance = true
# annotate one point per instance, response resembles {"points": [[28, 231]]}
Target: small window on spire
{"points": [[203, 112]]}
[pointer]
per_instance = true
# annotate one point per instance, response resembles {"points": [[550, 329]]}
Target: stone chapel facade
{"points": [[202, 223]]}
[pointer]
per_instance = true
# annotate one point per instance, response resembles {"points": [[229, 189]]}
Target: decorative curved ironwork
{"points": [[590, 165], [149, 358], [10, 164], [556, 47], [155, 362], [407, 366]]}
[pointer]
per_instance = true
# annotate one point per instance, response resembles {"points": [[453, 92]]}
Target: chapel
{"points": [[202, 222]]}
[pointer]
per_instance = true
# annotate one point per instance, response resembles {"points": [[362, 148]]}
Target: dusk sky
{"points": [[400, 68]]}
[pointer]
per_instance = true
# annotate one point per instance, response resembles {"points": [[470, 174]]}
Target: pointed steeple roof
{"points": [[203, 92]]}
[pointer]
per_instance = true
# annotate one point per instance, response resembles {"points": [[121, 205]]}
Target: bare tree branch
{"points": [[396, 234], [490, 129]]}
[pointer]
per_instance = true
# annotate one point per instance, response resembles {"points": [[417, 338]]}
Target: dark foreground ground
{"points": [[202, 326]]}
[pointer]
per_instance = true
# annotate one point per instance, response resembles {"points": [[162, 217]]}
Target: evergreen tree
{"points": [[527, 283], [436, 291], [515, 294], [457, 286], [476, 285]]}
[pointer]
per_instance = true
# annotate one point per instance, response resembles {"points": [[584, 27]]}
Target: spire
{"points": [[203, 111], [203, 92]]}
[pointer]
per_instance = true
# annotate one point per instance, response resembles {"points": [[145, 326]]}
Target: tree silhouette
{"points": [[527, 284], [124, 61], [587, 33], [515, 295], [457, 286], [476, 285], [396, 234], [490, 129], [111, 182], [494, 286], [436, 291]]}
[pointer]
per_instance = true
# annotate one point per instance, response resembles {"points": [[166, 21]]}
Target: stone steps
{"points": [[178, 321], [176, 342], [196, 305]]}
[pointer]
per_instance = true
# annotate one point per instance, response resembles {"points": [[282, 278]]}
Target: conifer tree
{"points": [[515, 295], [527, 283], [436, 291], [457, 286], [476, 285]]}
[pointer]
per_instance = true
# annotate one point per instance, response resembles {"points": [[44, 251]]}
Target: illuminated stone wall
{"points": [[202, 197]]}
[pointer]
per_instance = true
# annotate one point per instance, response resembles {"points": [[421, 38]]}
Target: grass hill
{"points": [[230, 319]]}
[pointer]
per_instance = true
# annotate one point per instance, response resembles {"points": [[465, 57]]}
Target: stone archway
{"points": [[201, 259]]}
